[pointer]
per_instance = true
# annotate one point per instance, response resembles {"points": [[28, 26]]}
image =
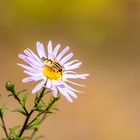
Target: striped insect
{"points": [[54, 65]]}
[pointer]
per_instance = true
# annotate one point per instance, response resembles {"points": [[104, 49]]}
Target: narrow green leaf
{"points": [[35, 124], [24, 99], [40, 105], [16, 127], [14, 133], [21, 91], [3, 108], [20, 111]]}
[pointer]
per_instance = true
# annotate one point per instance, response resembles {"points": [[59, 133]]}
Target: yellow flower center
{"points": [[52, 69]]}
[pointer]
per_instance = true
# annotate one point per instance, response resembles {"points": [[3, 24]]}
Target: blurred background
{"points": [[105, 36]]}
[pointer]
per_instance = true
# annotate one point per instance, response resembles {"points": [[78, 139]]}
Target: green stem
{"points": [[48, 107], [29, 114], [17, 98], [3, 124], [34, 132], [22, 106], [44, 115]]}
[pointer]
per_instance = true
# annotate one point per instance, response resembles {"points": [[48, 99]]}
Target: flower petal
{"points": [[75, 83], [67, 72], [39, 77], [38, 86], [55, 51], [70, 92], [58, 83], [31, 69], [33, 74], [66, 85], [49, 84], [54, 89], [50, 50], [40, 50], [74, 66], [75, 76], [67, 96], [70, 63], [61, 54], [66, 58], [29, 53], [30, 61], [27, 79], [36, 76]]}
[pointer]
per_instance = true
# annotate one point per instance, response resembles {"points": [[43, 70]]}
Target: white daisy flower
{"points": [[53, 70]]}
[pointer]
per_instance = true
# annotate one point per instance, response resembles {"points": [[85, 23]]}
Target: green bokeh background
{"points": [[105, 36]]}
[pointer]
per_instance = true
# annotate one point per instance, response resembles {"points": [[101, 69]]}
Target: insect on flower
{"points": [[53, 70]]}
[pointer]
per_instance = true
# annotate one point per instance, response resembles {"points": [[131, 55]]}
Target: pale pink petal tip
{"points": [[84, 76], [38, 87], [50, 43], [21, 56], [40, 50], [70, 101], [27, 79], [68, 98], [56, 49], [62, 53]]}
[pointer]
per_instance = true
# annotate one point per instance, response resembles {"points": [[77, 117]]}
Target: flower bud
{"points": [[10, 86]]}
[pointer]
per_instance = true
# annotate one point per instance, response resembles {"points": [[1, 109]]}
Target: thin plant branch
{"points": [[22, 106], [3, 124], [44, 115], [29, 115]]}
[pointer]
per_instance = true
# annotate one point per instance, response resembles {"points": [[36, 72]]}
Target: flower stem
{"points": [[54, 99], [3, 124], [32, 110], [25, 123]]}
